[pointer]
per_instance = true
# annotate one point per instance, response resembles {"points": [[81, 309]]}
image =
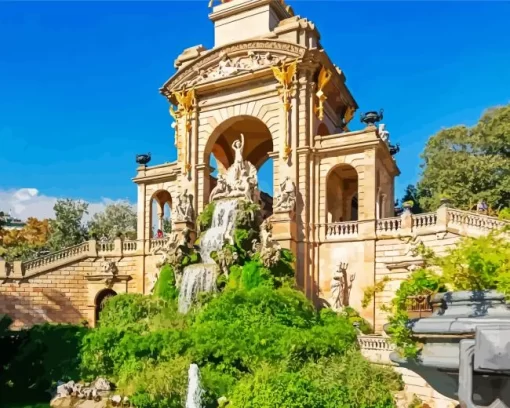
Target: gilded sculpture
{"points": [[285, 76], [186, 100], [324, 77], [348, 116]]}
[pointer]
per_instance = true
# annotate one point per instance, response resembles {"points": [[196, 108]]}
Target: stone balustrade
{"points": [[389, 224], [444, 219], [376, 348], [341, 229], [478, 221], [441, 220], [424, 220], [87, 249]]}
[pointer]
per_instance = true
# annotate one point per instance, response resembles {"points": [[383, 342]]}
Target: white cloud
{"points": [[29, 202]]}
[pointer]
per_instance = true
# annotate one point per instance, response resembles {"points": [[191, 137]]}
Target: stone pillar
{"points": [[140, 226], [284, 229], [368, 191], [407, 220], [161, 215]]}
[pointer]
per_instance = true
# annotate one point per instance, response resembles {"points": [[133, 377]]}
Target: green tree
{"points": [[412, 194], [468, 164], [67, 228], [116, 219]]}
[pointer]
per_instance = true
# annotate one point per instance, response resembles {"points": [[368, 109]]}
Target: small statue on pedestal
{"points": [[286, 199]]}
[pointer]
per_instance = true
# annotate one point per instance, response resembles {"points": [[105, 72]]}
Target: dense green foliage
{"points": [[258, 336], [258, 341], [468, 164], [165, 286], [32, 361]]}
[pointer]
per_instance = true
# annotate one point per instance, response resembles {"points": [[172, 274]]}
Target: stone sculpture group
{"points": [[240, 180]]}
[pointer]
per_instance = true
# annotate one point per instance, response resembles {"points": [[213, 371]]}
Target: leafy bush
{"points": [[165, 286], [33, 360], [346, 381], [129, 310], [481, 263]]}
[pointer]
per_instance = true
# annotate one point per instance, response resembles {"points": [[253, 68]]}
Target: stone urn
{"points": [[463, 317], [372, 117]]}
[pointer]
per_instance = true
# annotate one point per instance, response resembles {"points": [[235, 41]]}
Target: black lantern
{"points": [[371, 118], [143, 159]]}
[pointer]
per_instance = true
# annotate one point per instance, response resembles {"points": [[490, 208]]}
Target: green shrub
{"points": [[160, 386], [348, 381], [204, 219], [165, 286], [38, 358], [132, 309]]}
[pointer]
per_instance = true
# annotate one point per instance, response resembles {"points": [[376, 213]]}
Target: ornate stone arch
{"points": [[266, 113]]}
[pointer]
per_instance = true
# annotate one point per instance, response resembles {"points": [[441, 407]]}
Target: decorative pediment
{"points": [[232, 60]]}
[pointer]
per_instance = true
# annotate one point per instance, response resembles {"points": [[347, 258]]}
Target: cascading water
{"points": [[195, 391], [202, 277]]}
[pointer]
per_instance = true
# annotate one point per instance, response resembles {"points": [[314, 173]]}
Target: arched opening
{"points": [[342, 194], [258, 144], [101, 299], [161, 204]]}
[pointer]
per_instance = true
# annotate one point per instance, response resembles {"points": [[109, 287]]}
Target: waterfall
{"points": [[222, 226], [202, 277], [195, 391]]}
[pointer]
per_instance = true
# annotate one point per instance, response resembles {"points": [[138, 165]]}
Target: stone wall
{"points": [[395, 258], [65, 287]]}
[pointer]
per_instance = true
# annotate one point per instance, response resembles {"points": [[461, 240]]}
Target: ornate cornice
{"points": [[278, 50]]}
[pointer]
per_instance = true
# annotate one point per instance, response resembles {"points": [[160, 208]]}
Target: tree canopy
{"points": [[67, 229], [468, 164], [116, 220], [24, 243]]}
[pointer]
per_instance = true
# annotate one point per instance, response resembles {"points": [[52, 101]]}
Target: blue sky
{"points": [[79, 80]]}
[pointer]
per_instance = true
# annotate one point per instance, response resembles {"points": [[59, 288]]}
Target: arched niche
{"points": [[160, 211], [342, 194], [258, 144]]}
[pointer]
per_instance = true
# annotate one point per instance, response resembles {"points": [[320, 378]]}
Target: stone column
{"points": [[140, 226], [161, 215]]}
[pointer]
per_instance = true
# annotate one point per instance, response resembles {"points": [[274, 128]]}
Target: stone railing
{"points": [[341, 229], [129, 246], [88, 249], [156, 243], [71, 253], [444, 219], [376, 348], [473, 220], [374, 342], [389, 224], [424, 220]]}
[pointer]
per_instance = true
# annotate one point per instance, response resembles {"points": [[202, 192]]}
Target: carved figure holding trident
{"points": [[238, 165]]}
